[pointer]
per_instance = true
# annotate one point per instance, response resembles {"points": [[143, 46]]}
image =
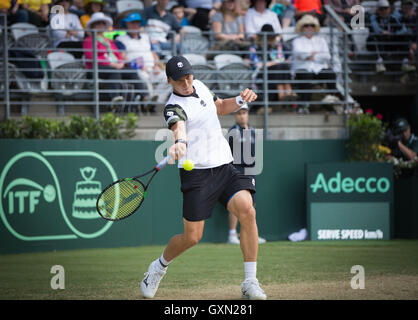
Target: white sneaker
{"points": [[251, 290], [261, 240], [233, 239], [149, 285]]}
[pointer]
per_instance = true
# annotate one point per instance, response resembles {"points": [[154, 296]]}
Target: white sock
{"points": [[162, 262], [250, 269], [232, 232]]}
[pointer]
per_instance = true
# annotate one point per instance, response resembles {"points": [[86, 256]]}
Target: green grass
{"points": [[307, 270]]}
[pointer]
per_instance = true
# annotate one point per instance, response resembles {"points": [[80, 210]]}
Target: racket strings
{"points": [[121, 199]]}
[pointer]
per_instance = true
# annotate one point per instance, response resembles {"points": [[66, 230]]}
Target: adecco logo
{"points": [[349, 185]]}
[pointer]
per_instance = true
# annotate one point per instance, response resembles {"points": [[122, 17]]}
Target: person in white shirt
{"points": [[67, 31], [311, 59], [139, 55], [258, 15], [192, 113]]}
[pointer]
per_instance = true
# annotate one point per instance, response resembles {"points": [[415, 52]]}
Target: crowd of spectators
{"points": [[231, 24]]}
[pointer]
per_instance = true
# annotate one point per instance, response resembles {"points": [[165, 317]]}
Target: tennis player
{"points": [[192, 113]]}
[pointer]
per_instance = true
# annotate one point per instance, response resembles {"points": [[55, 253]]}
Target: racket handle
{"points": [[163, 163]]}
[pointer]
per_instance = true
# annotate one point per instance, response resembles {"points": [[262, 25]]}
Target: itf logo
{"points": [[52, 195]]}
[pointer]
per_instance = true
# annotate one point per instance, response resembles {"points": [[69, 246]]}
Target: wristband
{"points": [[181, 141], [239, 101]]}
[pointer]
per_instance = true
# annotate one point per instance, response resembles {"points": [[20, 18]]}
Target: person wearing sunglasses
{"points": [[311, 61]]}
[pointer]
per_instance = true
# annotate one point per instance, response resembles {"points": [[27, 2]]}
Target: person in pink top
{"points": [[110, 62]]}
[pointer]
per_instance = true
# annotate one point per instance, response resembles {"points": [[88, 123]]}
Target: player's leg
{"points": [[241, 205], [193, 231]]}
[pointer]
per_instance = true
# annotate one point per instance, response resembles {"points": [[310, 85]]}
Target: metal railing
{"points": [[71, 84]]}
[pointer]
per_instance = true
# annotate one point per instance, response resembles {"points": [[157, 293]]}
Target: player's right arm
{"points": [[175, 118], [179, 149]]}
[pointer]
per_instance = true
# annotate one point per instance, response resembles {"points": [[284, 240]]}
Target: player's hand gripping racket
{"points": [[122, 198]]}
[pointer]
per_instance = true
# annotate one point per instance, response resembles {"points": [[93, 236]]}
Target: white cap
{"points": [[99, 16], [383, 3], [243, 107]]}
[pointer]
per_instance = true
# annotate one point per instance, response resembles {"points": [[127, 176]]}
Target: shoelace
{"points": [[152, 279], [255, 285]]}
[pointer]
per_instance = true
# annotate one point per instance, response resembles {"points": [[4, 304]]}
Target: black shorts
{"points": [[202, 188]]}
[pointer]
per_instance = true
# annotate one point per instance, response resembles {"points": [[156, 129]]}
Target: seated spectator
{"points": [[109, 60], [227, 24], [77, 7], [343, 8], [158, 24], [228, 29], [183, 15], [13, 11], [285, 10], [140, 56], [90, 7], [407, 32], [383, 26], [38, 11], [311, 58], [277, 66], [312, 7], [258, 15], [69, 35], [205, 9]]}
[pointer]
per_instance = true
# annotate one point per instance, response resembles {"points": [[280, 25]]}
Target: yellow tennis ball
{"points": [[188, 165]]}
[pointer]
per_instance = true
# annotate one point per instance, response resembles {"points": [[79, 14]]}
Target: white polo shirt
{"points": [[206, 145], [254, 21], [136, 48], [302, 48]]}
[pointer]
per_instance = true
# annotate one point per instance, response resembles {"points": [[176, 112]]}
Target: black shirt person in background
{"points": [[239, 135]]}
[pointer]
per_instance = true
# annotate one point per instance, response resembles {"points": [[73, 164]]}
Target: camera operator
{"points": [[404, 142]]}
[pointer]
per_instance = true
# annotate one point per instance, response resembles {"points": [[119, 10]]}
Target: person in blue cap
{"points": [[140, 54]]}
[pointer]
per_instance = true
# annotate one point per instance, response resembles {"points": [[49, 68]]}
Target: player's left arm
{"points": [[229, 105]]}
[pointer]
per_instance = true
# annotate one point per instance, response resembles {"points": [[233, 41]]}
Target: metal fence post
{"points": [[331, 34], [265, 86], [6, 69], [95, 76], [345, 68], [173, 44]]}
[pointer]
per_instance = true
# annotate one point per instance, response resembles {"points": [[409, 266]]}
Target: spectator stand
{"points": [[233, 76], [68, 78], [366, 77], [27, 55], [192, 40], [70, 85]]}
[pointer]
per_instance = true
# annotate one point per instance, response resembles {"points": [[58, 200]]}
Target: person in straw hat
{"points": [[311, 59], [109, 60]]}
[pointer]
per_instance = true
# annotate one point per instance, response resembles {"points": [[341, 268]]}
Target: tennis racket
{"points": [[122, 198]]}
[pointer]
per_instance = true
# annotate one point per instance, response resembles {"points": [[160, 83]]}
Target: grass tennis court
{"points": [[307, 270]]}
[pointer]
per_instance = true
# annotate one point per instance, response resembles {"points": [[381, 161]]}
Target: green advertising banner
{"points": [[48, 190], [349, 201]]}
